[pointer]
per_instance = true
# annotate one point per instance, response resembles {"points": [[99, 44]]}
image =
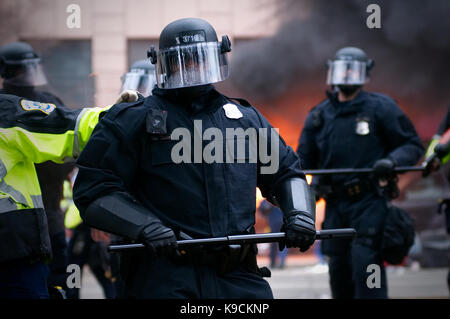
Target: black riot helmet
{"points": [[350, 67], [20, 65], [190, 55], [141, 77]]}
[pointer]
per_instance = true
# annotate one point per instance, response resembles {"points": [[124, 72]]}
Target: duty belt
{"points": [[224, 259], [351, 190]]}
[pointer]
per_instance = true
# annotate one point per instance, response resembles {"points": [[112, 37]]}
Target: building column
{"points": [[108, 49]]}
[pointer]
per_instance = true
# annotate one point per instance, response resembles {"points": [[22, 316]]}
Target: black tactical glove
{"points": [[119, 213], [300, 232], [384, 168], [442, 150], [430, 165], [159, 239], [190, 250], [433, 163]]}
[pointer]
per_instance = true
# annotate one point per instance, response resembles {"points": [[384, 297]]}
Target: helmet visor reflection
{"points": [[29, 73], [138, 80], [343, 72], [191, 65]]}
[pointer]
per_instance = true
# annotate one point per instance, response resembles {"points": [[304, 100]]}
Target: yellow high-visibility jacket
{"points": [[33, 132], [72, 218]]}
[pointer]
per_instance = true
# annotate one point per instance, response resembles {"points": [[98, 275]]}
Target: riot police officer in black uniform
{"points": [[130, 185], [353, 128], [22, 74]]}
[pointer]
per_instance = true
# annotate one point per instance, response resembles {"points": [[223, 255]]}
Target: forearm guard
{"points": [[294, 196], [119, 214]]}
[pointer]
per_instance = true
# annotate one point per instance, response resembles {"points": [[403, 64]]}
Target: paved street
{"points": [[300, 279], [312, 282]]}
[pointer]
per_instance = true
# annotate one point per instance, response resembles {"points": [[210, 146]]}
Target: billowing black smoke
{"points": [[411, 50]]}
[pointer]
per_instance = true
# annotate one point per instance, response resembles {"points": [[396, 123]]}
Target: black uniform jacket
{"points": [[356, 134], [130, 151]]}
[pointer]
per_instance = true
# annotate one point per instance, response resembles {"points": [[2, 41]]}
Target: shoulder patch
{"points": [[316, 118], [46, 108]]}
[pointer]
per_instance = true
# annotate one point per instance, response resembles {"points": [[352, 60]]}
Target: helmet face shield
{"points": [[191, 65], [27, 73], [342, 72], [139, 80]]}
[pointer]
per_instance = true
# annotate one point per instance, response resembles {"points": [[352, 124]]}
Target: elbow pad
{"points": [[120, 214], [294, 196]]}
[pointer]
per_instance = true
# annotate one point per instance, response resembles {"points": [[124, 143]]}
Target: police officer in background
{"points": [[438, 154], [353, 128], [141, 78], [128, 183], [22, 74]]}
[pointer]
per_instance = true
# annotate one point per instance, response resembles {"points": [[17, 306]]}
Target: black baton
{"points": [[334, 171], [243, 239]]}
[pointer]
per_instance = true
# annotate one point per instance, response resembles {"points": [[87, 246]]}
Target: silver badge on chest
{"points": [[362, 127], [232, 111]]}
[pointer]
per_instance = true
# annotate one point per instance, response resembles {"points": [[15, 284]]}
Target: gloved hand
{"points": [[433, 162], [384, 168], [442, 150], [190, 250], [300, 231], [127, 96], [159, 239], [430, 165]]}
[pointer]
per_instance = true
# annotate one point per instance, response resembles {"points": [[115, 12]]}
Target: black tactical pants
{"points": [[351, 273], [151, 277]]}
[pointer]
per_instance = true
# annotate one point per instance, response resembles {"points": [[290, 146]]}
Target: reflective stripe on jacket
{"points": [[33, 132]]}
